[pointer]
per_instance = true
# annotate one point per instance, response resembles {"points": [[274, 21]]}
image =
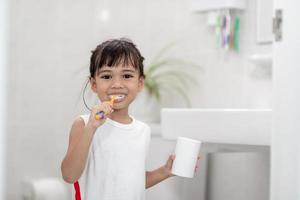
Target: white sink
{"points": [[231, 126]]}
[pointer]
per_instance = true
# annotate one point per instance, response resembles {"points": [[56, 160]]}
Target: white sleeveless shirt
{"points": [[115, 168]]}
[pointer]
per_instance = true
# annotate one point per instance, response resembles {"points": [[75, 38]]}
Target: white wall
{"points": [[50, 49], [3, 90], [285, 154]]}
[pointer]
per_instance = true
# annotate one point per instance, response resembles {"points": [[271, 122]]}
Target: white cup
{"points": [[186, 153]]}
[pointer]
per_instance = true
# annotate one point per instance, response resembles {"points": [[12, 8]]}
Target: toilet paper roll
{"points": [[45, 189], [186, 153]]}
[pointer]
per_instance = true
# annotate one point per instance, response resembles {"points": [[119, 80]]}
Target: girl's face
{"points": [[117, 80]]}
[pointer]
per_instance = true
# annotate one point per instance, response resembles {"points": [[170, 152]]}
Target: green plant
{"points": [[168, 74]]}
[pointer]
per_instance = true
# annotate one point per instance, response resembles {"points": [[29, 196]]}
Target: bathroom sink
{"points": [[231, 126]]}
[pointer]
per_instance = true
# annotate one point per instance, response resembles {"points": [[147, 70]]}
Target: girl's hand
{"points": [[106, 108], [168, 166]]}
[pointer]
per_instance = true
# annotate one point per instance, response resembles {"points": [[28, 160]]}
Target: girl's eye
{"points": [[128, 76], [105, 77]]}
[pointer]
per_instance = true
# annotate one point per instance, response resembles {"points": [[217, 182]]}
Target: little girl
{"points": [[106, 155]]}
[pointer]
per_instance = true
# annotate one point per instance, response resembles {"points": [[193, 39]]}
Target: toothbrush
{"points": [[227, 29], [236, 33], [100, 115], [218, 31]]}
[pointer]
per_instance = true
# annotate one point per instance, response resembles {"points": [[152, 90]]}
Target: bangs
{"points": [[118, 55], [114, 53]]}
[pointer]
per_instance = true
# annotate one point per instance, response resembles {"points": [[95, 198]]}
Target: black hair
{"points": [[113, 52]]}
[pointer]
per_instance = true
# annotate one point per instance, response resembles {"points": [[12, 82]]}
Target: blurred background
{"points": [[45, 52]]}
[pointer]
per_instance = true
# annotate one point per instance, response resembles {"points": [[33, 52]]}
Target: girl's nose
{"points": [[117, 83]]}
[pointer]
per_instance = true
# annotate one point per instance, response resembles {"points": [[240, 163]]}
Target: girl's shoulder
{"points": [[79, 124], [143, 125], [85, 118]]}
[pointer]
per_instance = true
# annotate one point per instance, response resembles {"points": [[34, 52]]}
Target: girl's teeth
{"points": [[118, 97]]}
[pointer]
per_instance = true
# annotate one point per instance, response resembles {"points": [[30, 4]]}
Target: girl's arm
{"points": [[160, 174], [81, 137], [79, 142]]}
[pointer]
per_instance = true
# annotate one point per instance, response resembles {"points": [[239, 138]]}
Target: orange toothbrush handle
{"points": [[100, 115]]}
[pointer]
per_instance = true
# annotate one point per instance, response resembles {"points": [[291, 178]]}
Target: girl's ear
{"points": [[93, 84], [141, 83]]}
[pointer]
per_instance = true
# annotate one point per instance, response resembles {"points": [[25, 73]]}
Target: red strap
{"points": [[77, 191]]}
